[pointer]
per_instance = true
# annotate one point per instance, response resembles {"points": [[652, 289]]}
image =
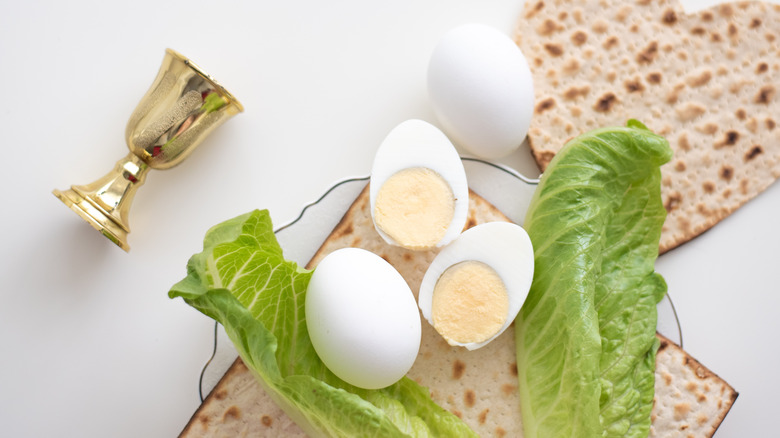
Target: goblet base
{"points": [[91, 212]]}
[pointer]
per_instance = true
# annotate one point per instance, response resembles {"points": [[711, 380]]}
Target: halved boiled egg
{"points": [[475, 286], [418, 189]]}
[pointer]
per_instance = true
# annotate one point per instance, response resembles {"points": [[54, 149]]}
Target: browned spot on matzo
{"points": [[669, 17], [545, 104], [554, 49], [765, 94], [579, 38], [574, 92], [610, 42], [233, 412], [547, 27], [538, 6], [726, 172], [689, 111], [729, 139], [699, 78], [634, 86], [605, 102], [672, 201], [458, 368], [469, 398], [648, 54]]}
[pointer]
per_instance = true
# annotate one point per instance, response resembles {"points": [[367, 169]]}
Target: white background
{"points": [[90, 344]]}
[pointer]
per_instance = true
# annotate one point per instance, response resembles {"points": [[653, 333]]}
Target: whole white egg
{"points": [[481, 89], [418, 190], [475, 286], [362, 318]]}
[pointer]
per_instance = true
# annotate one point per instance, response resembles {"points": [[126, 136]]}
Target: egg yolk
{"points": [[415, 207], [470, 303]]}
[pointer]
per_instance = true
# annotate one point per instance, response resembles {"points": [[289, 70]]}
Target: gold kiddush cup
{"points": [[181, 108]]}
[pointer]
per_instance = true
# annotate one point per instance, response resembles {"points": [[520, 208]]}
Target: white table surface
{"points": [[91, 345]]}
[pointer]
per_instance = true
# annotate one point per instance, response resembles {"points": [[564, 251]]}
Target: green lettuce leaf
{"points": [[586, 333], [242, 280]]}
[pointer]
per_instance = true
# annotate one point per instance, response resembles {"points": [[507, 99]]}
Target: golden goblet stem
{"points": [[105, 203]]}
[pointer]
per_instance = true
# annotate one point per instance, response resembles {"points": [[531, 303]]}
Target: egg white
{"points": [[415, 143], [503, 246]]}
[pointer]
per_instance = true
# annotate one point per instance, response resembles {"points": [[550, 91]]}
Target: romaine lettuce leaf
{"points": [[242, 280], [586, 333]]}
